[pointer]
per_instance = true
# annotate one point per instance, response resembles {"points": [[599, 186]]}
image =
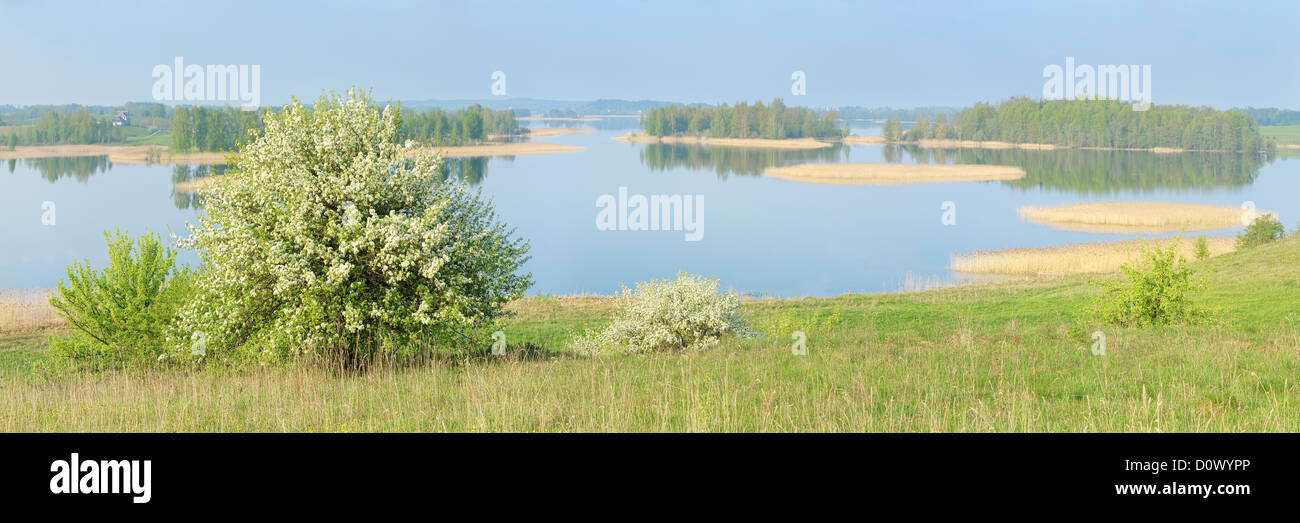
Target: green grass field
{"points": [[986, 358], [1289, 134]]}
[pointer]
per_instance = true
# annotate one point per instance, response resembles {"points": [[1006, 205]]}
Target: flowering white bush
{"points": [[328, 236], [686, 313]]}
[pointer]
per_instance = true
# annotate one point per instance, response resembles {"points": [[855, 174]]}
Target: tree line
{"points": [[473, 124], [1272, 115], [774, 121], [1091, 123], [53, 127], [199, 128]]}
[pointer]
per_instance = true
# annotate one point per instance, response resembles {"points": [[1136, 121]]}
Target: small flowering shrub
{"points": [[686, 313], [328, 237]]}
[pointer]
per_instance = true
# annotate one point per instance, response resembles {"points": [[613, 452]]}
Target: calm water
{"points": [[761, 236]]}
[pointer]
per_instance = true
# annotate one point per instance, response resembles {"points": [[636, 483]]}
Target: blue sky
{"points": [[901, 54]]}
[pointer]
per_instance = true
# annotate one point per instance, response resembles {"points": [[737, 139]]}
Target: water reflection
{"points": [[725, 161], [468, 170], [1091, 172], [187, 173], [80, 168]]}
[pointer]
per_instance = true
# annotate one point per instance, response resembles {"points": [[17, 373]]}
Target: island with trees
{"points": [[1099, 124], [741, 125]]}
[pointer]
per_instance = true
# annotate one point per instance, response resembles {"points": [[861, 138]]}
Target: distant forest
{"points": [[1272, 116], [889, 113], [775, 121], [1091, 123]]}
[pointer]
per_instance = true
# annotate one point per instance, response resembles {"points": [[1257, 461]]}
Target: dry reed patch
{"points": [[1079, 258], [67, 151], [126, 154], [971, 144], [1134, 217], [501, 149], [891, 173], [27, 310], [160, 155], [547, 132], [854, 139], [757, 143], [196, 185]]}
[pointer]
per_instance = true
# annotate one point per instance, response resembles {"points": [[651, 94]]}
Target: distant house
{"points": [[121, 119]]}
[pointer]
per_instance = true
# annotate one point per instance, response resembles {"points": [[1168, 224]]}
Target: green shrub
{"points": [[328, 238], [686, 313], [1265, 228], [119, 315], [1158, 291], [1201, 248]]}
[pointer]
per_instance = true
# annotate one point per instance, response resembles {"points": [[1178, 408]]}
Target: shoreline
{"points": [[122, 154], [929, 143], [756, 143], [500, 149], [891, 173], [160, 155]]}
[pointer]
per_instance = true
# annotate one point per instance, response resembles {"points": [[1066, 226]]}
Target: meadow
{"points": [[1012, 356], [1283, 134]]}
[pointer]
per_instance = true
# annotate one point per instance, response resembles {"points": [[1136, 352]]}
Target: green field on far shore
{"points": [[1284, 134]]}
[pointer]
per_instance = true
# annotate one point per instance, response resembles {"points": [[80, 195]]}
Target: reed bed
{"points": [[500, 149], [27, 310], [1134, 217], [1082, 258], [891, 173], [751, 143]]}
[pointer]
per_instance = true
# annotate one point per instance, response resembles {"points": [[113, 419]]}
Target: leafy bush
{"points": [[686, 313], [1265, 228], [325, 239], [1158, 291], [1201, 248], [119, 315]]}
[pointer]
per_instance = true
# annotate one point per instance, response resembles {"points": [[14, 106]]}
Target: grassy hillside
{"points": [[1004, 357]]}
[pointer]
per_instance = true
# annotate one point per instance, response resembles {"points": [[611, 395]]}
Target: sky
{"points": [[899, 54]]}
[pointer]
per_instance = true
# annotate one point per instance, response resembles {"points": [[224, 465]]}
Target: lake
{"points": [[761, 236]]}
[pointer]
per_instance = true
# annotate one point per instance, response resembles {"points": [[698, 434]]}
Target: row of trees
{"points": [[473, 124], [1092, 123], [775, 121], [197, 128], [80, 127], [223, 129]]}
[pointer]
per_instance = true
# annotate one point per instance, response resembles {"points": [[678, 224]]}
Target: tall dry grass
{"points": [[891, 173], [1081, 258], [1134, 217], [27, 310]]}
